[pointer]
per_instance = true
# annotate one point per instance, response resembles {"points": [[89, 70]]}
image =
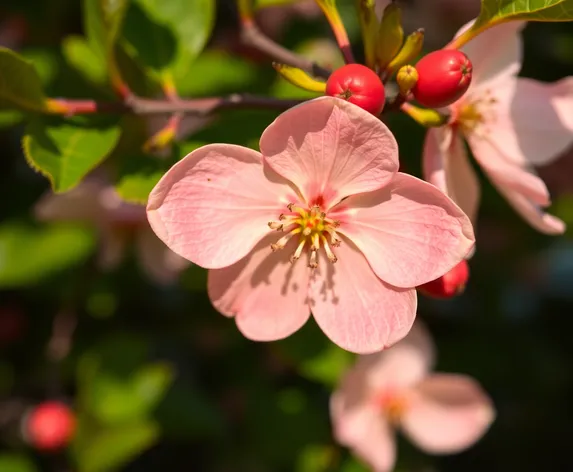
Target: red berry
{"points": [[448, 285], [49, 426], [359, 85], [443, 77]]}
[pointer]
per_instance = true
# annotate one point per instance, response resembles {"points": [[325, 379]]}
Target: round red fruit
{"points": [[443, 77], [448, 285], [359, 85], [49, 426]]}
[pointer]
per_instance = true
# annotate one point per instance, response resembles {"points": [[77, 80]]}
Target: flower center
{"points": [[392, 405], [313, 229], [472, 113]]}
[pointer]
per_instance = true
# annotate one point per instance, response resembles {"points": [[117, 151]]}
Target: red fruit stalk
{"points": [[448, 285], [49, 426], [359, 85], [443, 77]]}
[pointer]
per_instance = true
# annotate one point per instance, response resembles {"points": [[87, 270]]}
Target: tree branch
{"points": [[147, 106], [252, 36]]}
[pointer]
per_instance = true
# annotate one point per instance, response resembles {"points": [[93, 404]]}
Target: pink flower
{"points": [[440, 413], [510, 123], [355, 236], [95, 202]]}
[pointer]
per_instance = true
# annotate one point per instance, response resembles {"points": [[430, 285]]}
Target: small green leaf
{"points": [[29, 253], [110, 449], [20, 84], [328, 366], [11, 462], [117, 399], [80, 54], [65, 152], [192, 21], [497, 11]]}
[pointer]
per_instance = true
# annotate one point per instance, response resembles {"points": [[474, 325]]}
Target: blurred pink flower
{"points": [[95, 202], [440, 413], [327, 179], [510, 123]]}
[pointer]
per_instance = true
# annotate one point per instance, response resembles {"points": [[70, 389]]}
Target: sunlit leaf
{"points": [[110, 449], [496, 11], [65, 152], [30, 253], [81, 55]]}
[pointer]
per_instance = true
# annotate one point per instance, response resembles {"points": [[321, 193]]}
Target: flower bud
{"points": [[369, 28], [424, 116], [410, 51], [406, 78], [448, 285], [390, 35], [299, 78], [444, 76], [359, 85], [49, 426]]}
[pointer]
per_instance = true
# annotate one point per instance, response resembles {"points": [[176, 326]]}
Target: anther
{"points": [[331, 257], [296, 255], [275, 225], [313, 263], [281, 243]]}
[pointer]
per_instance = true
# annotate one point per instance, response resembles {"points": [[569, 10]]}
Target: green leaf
{"points": [[10, 462], [214, 73], [20, 84], [497, 11], [164, 34], [81, 55], [110, 449], [192, 21], [30, 253], [65, 152], [117, 399], [258, 4], [327, 366]]}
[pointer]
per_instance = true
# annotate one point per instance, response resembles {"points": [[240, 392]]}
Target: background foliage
{"points": [[158, 379]]}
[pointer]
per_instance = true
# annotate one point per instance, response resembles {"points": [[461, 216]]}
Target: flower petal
{"points": [[403, 365], [530, 211], [447, 414], [496, 54], [265, 293], [410, 231], [521, 178], [79, 204], [354, 308], [365, 432], [448, 168], [160, 263], [536, 125], [330, 148], [214, 205]]}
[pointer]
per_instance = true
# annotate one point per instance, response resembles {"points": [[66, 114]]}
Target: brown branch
{"points": [[252, 36], [201, 107]]}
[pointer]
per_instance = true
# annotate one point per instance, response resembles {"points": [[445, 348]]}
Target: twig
{"points": [[252, 36], [201, 107]]}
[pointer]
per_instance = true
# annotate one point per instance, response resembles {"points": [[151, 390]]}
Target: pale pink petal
{"points": [[403, 365], [520, 178], [410, 231], [160, 263], [365, 432], [446, 165], [354, 308], [330, 148], [79, 204], [447, 413], [530, 211], [534, 125], [214, 205], [496, 54], [265, 293]]}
